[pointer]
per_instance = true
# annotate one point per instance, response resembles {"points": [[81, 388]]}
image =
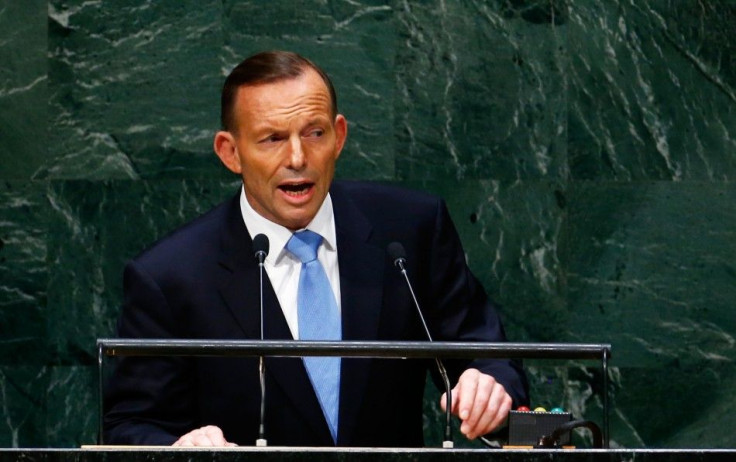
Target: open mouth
{"points": [[296, 189]]}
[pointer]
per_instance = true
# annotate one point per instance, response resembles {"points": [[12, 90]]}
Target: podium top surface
{"points": [[282, 454]]}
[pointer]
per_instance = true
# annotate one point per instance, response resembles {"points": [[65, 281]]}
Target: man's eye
{"points": [[316, 133], [272, 139]]}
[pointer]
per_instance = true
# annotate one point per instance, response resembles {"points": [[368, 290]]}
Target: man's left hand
{"points": [[480, 402]]}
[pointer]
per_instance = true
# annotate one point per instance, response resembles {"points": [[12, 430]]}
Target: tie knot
{"points": [[304, 245]]}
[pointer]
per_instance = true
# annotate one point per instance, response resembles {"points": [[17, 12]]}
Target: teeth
{"points": [[295, 189]]}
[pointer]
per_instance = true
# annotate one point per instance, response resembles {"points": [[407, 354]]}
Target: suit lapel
{"points": [[240, 290], [361, 285]]}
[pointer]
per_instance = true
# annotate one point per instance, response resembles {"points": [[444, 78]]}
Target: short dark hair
{"points": [[266, 67]]}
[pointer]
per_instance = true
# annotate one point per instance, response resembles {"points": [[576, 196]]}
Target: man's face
{"points": [[285, 147]]}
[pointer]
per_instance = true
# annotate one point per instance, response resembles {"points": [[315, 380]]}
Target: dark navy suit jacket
{"points": [[201, 282]]}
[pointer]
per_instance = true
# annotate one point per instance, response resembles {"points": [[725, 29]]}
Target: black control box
{"points": [[527, 427]]}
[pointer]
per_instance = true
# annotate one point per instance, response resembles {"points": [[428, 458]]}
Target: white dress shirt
{"points": [[282, 267]]}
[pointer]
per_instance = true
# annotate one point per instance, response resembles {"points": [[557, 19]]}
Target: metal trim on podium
{"points": [[112, 347]]}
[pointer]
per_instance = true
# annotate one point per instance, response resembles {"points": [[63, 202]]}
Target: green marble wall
{"points": [[587, 150]]}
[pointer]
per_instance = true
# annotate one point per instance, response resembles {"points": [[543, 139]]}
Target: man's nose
{"points": [[297, 157]]}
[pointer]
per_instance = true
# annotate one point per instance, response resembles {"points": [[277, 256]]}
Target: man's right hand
{"points": [[209, 436]]}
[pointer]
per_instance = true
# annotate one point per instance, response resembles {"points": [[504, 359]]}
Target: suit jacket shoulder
{"points": [[195, 240]]}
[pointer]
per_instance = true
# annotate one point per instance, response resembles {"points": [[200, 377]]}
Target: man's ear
{"points": [[341, 133], [227, 151]]}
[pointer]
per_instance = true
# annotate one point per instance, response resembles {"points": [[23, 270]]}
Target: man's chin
{"points": [[298, 216], [295, 223]]}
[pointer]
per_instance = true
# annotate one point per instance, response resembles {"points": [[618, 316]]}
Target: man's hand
{"points": [[480, 402], [209, 436]]}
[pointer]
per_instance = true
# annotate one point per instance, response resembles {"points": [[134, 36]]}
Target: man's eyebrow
{"points": [[318, 120], [266, 126]]}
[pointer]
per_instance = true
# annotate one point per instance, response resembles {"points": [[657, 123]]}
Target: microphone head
{"points": [[260, 245], [396, 252]]}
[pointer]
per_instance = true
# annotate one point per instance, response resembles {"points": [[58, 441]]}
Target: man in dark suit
{"points": [[282, 134]]}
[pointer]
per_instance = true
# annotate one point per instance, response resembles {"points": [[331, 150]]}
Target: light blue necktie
{"points": [[319, 319]]}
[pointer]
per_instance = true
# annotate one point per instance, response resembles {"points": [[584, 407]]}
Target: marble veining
{"points": [[586, 151]]}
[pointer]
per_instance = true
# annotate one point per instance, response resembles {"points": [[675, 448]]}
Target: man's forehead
{"points": [[307, 76], [284, 96]]}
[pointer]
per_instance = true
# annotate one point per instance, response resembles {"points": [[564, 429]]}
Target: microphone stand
{"points": [[261, 441], [447, 443], [261, 243]]}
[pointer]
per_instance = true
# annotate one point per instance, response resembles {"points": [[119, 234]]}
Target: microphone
{"points": [[260, 250], [398, 255], [260, 247]]}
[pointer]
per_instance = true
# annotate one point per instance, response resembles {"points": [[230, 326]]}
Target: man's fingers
{"points": [[208, 436], [214, 435], [503, 412], [483, 395], [443, 401], [475, 390], [202, 440], [464, 394], [480, 402], [496, 410]]}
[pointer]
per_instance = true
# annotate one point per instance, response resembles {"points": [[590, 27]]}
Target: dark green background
{"points": [[587, 151]]}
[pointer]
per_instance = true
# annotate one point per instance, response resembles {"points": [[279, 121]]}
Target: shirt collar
{"points": [[323, 224]]}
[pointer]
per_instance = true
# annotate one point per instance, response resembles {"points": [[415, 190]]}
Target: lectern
{"points": [[427, 350]]}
